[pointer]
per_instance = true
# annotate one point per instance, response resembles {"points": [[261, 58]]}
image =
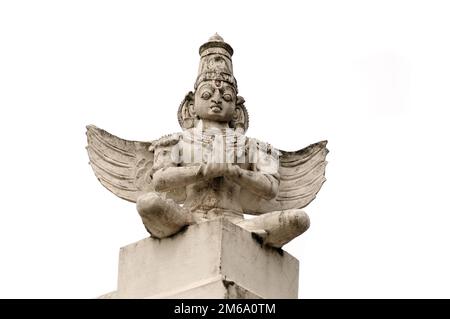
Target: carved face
{"points": [[215, 100]]}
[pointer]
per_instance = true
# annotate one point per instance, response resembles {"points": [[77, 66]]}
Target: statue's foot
{"points": [[277, 228], [162, 217]]}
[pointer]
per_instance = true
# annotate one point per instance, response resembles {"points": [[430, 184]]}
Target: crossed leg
{"points": [[162, 217], [277, 228]]}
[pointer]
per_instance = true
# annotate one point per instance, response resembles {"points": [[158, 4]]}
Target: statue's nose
{"points": [[216, 97]]}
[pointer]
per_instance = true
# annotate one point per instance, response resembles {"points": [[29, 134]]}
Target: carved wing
{"points": [[302, 174], [122, 166]]}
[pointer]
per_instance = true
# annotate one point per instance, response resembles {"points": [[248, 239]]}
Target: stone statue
{"points": [[211, 169]]}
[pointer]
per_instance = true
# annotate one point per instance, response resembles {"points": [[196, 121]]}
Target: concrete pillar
{"points": [[214, 259]]}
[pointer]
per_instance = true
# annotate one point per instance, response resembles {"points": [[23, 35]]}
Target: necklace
{"points": [[218, 146]]}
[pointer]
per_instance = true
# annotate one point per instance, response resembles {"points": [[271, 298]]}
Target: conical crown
{"points": [[215, 62]]}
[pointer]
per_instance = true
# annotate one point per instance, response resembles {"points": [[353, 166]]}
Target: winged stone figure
{"points": [[212, 169]]}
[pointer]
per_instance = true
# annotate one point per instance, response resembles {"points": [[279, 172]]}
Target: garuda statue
{"points": [[211, 169]]}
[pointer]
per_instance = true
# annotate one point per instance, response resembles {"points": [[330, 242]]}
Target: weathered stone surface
{"points": [[211, 167], [214, 259], [210, 170]]}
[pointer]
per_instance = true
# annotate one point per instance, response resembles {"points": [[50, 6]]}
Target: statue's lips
{"points": [[216, 108]]}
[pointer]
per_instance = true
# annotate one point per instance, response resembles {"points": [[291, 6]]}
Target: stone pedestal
{"points": [[215, 259]]}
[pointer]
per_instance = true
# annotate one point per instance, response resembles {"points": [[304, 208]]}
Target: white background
{"points": [[372, 77]]}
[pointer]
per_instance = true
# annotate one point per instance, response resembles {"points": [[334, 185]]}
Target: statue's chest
{"points": [[215, 149]]}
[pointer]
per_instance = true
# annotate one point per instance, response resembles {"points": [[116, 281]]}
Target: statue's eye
{"points": [[206, 95], [227, 97]]}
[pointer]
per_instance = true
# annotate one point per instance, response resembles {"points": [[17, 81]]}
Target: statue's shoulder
{"points": [[255, 144], [166, 141]]}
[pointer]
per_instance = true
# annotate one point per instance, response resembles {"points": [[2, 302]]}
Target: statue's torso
{"points": [[218, 195]]}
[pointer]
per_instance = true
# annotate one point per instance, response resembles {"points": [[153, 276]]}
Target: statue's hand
{"points": [[212, 170]]}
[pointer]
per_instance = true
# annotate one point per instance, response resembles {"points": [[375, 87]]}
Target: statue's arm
{"points": [[262, 184], [169, 178], [167, 174], [259, 183], [262, 178]]}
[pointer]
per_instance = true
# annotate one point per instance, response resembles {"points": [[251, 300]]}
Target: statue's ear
{"points": [[240, 116], [186, 114]]}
